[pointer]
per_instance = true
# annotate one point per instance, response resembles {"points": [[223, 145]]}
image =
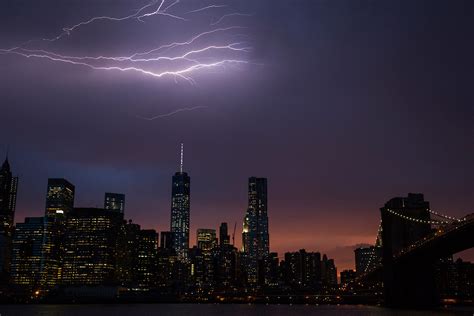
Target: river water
{"points": [[214, 310]]}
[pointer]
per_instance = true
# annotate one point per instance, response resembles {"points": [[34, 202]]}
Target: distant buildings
{"points": [[347, 276], [255, 236], [303, 269], [180, 210], [328, 272], [114, 202], [367, 258]]}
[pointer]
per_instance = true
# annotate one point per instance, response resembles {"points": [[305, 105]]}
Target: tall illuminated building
{"points": [[59, 197], [90, 247], [114, 202], [255, 236], [180, 211], [8, 190], [34, 266]]}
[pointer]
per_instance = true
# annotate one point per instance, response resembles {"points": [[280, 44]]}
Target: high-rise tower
{"points": [[180, 210], [255, 237], [224, 238], [8, 189], [114, 202], [59, 198]]}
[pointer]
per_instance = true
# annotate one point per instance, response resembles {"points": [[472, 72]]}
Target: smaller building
{"points": [[59, 198], [347, 276], [114, 202], [206, 239]]}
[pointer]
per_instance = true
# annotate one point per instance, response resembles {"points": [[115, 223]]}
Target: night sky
{"points": [[342, 105]]}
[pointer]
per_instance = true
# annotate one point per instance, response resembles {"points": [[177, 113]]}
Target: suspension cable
{"points": [[446, 216], [416, 220]]}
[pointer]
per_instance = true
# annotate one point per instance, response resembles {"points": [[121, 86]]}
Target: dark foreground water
{"points": [[212, 310]]}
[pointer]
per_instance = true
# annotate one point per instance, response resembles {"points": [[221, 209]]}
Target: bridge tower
{"points": [[406, 220]]}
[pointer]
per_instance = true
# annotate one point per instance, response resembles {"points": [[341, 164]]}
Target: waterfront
{"points": [[214, 310]]}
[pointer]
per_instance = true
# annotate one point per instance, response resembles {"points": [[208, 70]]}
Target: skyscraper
{"points": [[90, 244], [180, 210], [114, 202], [8, 189], [59, 197], [255, 237], [224, 238], [34, 265]]}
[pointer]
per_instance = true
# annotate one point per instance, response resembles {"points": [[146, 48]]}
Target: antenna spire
{"points": [[8, 151], [182, 158]]}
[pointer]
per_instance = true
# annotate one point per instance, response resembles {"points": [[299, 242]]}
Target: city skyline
{"points": [[83, 254], [347, 253], [342, 105]]}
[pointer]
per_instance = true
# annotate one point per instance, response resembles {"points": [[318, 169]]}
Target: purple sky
{"points": [[343, 105]]}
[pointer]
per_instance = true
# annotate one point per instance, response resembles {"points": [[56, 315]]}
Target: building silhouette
{"points": [[348, 276], [303, 270], [59, 198], [328, 273], [206, 239], [114, 202], [224, 238], [255, 236], [366, 258], [8, 192], [180, 210], [33, 267]]}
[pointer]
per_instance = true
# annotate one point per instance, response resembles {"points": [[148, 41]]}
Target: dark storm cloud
{"points": [[356, 102]]}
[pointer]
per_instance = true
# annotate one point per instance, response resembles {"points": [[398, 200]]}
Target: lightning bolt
{"points": [[181, 73], [229, 15], [172, 113], [150, 62], [137, 15], [214, 6]]}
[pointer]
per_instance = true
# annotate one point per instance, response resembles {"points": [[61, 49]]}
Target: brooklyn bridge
{"points": [[412, 239]]}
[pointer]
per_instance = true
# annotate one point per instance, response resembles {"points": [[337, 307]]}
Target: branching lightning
{"points": [[172, 113], [214, 47], [214, 6], [229, 15], [162, 61]]}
